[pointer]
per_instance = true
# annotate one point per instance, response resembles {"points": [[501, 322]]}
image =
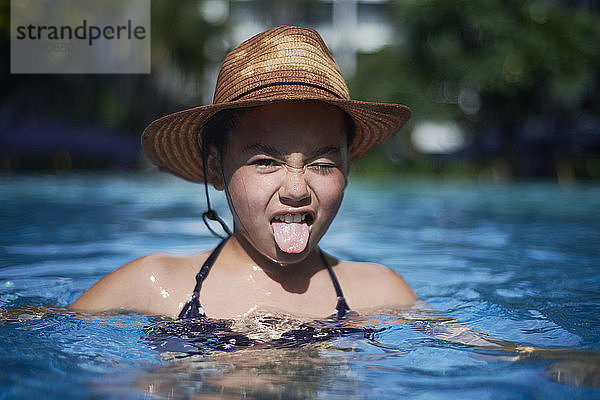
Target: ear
{"points": [[213, 169]]}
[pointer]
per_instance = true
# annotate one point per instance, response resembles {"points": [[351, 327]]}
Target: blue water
{"points": [[520, 262]]}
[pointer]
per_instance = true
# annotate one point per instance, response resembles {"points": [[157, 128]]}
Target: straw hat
{"points": [[284, 63]]}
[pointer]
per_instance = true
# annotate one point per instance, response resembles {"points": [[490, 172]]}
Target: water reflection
{"points": [[264, 373], [261, 356], [277, 356]]}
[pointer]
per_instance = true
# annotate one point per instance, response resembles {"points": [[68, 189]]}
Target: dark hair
{"points": [[217, 129], [350, 128]]}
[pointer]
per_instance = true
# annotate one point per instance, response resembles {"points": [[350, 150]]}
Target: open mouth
{"points": [[294, 218], [291, 231]]}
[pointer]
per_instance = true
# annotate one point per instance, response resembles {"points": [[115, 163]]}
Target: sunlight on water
{"points": [[511, 272]]}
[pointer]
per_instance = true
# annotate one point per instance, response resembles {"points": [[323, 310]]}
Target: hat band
{"points": [[266, 85]]}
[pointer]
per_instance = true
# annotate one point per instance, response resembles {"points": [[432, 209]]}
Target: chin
{"points": [[285, 258]]}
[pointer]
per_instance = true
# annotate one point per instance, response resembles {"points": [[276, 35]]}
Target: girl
{"points": [[278, 139]]}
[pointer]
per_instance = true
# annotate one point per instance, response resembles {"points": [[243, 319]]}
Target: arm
{"points": [[376, 287], [435, 324]]}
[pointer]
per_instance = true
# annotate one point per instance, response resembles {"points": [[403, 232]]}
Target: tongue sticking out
{"points": [[290, 237]]}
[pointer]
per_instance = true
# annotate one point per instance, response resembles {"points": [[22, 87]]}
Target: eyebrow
{"points": [[273, 152], [324, 151], [263, 148]]}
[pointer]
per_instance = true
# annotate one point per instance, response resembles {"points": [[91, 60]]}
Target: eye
{"points": [[265, 164], [322, 168]]}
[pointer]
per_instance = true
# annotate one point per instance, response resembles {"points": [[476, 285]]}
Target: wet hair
{"points": [[216, 130]]}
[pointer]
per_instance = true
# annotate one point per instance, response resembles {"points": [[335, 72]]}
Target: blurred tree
{"points": [[124, 103], [490, 64]]}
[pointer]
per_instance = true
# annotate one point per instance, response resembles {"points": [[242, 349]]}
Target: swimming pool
{"points": [[520, 262]]}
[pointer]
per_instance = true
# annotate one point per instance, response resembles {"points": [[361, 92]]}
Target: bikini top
{"points": [[193, 309]]}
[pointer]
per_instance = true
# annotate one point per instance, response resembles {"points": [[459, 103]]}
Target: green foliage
{"points": [[180, 34], [503, 48], [487, 63]]}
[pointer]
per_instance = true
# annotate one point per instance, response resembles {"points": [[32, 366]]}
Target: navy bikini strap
{"points": [[201, 275], [342, 307], [193, 308]]}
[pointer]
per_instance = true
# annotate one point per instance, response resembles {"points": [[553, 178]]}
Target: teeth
{"points": [[289, 218]]}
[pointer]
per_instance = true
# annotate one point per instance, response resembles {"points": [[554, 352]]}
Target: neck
{"points": [[293, 277]]}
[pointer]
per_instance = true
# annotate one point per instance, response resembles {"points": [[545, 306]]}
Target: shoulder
{"points": [[370, 285], [151, 266], [153, 284]]}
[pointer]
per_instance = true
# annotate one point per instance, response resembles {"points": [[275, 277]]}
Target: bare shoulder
{"points": [[370, 285], [153, 284]]}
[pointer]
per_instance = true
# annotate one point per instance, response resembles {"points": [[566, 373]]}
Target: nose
{"points": [[294, 190]]}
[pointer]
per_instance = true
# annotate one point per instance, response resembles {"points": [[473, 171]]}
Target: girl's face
{"points": [[285, 171]]}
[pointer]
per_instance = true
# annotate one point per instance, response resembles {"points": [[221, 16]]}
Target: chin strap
{"points": [[211, 214]]}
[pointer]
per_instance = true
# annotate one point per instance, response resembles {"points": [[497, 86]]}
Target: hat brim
{"points": [[174, 142]]}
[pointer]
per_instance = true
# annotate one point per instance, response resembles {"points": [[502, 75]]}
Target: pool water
{"points": [[519, 263]]}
